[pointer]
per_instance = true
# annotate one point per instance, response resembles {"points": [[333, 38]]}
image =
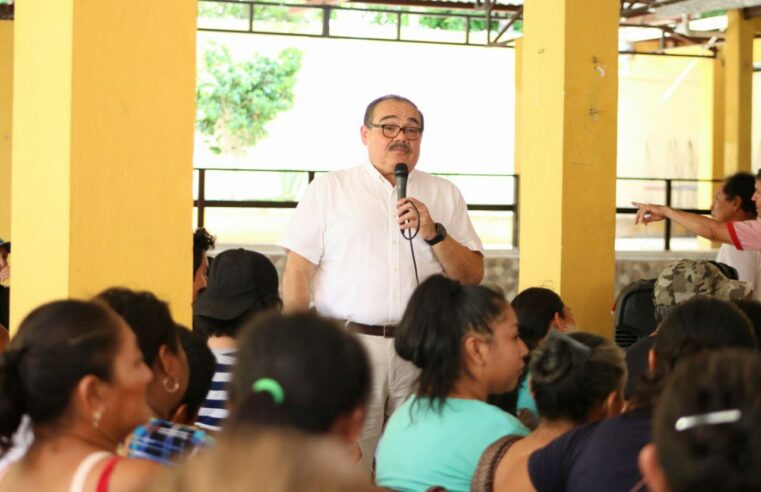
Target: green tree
{"points": [[222, 10], [235, 100]]}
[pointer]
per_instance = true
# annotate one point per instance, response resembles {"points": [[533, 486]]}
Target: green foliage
{"points": [[219, 10], [452, 23], [235, 100]]}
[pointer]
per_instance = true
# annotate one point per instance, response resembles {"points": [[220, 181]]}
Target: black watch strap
{"points": [[441, 234]]}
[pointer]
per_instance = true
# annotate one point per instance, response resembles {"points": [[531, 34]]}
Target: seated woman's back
{"points": [[76, 370], [465, 341], [575, 379]]}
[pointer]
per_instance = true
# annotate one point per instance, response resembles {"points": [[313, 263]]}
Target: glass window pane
{"points": [[255, 185], [494, 228], [638, 238], [487, 190], [247, 225]]}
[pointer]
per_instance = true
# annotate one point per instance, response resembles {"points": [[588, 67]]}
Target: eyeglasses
{"points": [[391, 131]]}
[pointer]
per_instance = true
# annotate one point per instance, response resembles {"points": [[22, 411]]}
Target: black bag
{"points": [[634, 312]]}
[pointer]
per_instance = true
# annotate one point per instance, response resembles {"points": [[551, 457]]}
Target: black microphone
{"points": [[401, 172]]}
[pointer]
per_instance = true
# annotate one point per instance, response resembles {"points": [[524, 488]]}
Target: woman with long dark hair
{"points": [[464, 339], [75, 369]]}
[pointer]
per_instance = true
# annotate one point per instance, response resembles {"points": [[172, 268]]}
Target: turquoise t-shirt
{"points": [[421, 447], [525, 399]]}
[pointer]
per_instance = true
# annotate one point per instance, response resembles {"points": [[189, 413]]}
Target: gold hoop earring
{"points": [[174, 387]]}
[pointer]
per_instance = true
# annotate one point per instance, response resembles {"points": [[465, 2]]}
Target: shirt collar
{"points": [[377, 175]]}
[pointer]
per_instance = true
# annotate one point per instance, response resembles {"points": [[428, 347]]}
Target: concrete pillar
{"points": [[738, 54], [6, 114], [102, 150], [568, 174]]}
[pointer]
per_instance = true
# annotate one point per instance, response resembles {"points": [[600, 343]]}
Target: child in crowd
{"points": [[76, 370], [707, 426], [464, 339], [302, 372], [241, 284], [575, 379]]}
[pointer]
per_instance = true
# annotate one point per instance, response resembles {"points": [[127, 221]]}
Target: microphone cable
{"points": [[409, 236]]}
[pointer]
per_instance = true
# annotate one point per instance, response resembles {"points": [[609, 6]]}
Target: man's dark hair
{"points": [[742, 185], [202, 242], [202, 364], [322, 369], [369, 112]]}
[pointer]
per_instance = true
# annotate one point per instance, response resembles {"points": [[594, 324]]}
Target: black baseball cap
{"points": [[6, 245], [237, 278]]}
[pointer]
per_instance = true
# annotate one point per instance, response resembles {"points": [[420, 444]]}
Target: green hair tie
{"points": [[269, 385]]}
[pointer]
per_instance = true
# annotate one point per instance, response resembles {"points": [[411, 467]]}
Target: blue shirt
{"points": [[424, 447], [164, 442]]}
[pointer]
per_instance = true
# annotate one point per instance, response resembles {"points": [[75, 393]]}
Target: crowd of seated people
{"points": [[112, 394]]}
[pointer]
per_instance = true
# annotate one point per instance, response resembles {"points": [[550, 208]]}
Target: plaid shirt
{"points": [[165, 442]]}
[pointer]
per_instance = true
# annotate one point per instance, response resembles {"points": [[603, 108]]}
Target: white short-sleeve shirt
{"points": [[346, 225]]}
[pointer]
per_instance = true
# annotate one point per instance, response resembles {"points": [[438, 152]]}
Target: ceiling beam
{"points": [[441, 4]]}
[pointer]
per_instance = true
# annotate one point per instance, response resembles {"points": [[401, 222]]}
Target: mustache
{"points": [[400, 146]]}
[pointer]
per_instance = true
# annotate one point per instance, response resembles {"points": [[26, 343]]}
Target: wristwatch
{"points": [[441, 234]]}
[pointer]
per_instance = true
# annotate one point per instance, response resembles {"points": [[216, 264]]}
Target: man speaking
{"points": [[348, 258]]}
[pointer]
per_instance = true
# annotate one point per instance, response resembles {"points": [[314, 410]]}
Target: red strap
{"points": [[105, 475], [733, 235]]}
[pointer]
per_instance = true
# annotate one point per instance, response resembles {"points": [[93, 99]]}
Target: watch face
{"points": [[440, 230]]}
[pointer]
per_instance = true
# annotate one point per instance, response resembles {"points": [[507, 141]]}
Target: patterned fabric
{"points": [[685, 279], [213, 412], [164, 442]]}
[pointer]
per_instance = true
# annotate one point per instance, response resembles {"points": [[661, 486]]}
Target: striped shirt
{"points": [[213, 412]]}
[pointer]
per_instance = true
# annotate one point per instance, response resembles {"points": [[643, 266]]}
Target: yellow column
{"points": [[718, 114], [569, 113], [6, 113], [738, 53], [102, 150]]}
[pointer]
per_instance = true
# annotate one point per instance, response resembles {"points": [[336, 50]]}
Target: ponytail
{"points": [[440, 313]]}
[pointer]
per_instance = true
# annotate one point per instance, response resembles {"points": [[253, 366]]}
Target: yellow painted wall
{"points": [[103, 142], [6, 115]]}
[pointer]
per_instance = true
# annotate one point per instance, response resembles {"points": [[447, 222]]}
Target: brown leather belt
{"points": [[385, 331]]}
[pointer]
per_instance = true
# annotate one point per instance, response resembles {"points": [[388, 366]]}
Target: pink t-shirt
{"points": [[746, 234]]}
